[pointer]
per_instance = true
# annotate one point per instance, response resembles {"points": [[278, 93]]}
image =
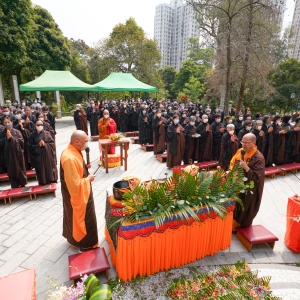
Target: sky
{"points": [[92, 20]]}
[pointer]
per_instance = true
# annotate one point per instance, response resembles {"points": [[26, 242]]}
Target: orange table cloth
{"points": [[144, 250], [292, 234]]}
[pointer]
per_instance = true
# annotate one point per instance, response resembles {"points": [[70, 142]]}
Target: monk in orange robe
{"points": [[107, 126], [79, 218]]}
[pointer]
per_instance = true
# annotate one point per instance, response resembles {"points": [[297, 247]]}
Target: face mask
{"points": [[39, 128], [231, 132], [78, 108], [105, 116], [7, 126], [205, 120], [6, 113], [93, 105], [165, 112], [35, 101], [259, 127], [197, 115], [200, 106], [23, 104], [18, 117], [248, 128], [124, 106], [154, 110], [159, 115], [176, 121], [278, 122], [260, 118], [183, 115], [229, 121], [192, 123], [41, 119], [142, 105], [290, 121], [241, 118], [218, 120], [144, 112], [268, 122], [248, 118], [8, 105]]}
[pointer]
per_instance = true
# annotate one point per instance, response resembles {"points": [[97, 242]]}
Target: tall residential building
{"points": [[294, 43], [174, 24], [281, 7]]}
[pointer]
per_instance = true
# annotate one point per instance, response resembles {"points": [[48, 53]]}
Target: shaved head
{"points": [[78, 139], [106, 111], [251, 137]]}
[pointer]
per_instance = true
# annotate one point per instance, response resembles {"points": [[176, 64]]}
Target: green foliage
{"points": [[94, 290], [182, 196], [235, 282], [194, 88], [168, 77]]}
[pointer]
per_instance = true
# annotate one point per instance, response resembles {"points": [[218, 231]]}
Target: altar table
{"points": [[104, 145]]}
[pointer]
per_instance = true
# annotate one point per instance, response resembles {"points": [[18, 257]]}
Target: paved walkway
{"points": [[31, 231]]}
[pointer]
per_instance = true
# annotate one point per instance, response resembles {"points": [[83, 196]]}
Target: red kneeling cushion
{"points": [[20, 192], [44, 189], [272, 170], [289, 167], [257, 234], [86, 263]]}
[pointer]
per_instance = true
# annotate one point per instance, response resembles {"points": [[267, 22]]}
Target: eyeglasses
{"points": [[81, 141], [246, 143]]}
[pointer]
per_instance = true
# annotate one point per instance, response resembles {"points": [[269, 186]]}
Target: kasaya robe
{"points": [[25, 134], [278, 145], [228, 150], [124, 121], [217, 139], [260, 140], [105, 131], [204, 144], [256, 173], [12, 157], [144, 130], [159, 135], [133, 120], [296, 146], [288, 148], [175, 145], [81, 121], [93, 115], [268, 153], [190, 143], [79, 218], [51, 120], [116, 117]]}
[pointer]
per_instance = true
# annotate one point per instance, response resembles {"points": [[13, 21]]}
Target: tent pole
{"points": [[58, 113]]}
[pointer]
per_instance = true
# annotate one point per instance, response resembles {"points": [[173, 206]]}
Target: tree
{"points": [[15, 34], [168, 77], [194, 89], [200, 54]]}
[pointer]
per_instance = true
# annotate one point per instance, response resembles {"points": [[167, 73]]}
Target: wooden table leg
{"points": [[106, 157], [125, 159], [121, 153]]}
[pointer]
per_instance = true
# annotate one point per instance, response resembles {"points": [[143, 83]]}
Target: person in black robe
{"points": [[278, 141], [288, 149], [159, 133], [124, 119], [238, 123], [115, 115], [190, 141], [246, 129], [268, 130], [295, 156], [254, 170], [42, 148], [204, 144], [229, 146], [12, 154], [260, 135], [29, 119], [134, 118], [80, 119], [217, 129], [175, 143], [49, 117], [93, 115], [144, 128]]}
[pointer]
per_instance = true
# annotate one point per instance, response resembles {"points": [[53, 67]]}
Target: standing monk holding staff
{"points": [[79, 221], [253, 163]]}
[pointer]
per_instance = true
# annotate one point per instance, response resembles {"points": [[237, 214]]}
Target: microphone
{"points": [[243, 152], [87, 151]]}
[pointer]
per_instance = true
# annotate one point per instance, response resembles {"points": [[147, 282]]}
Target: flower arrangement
{"points": [[230, 282], [183, 195], [87, 288], [115, 137]]}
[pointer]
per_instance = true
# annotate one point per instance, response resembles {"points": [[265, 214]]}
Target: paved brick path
{"points": [[31, 231]]}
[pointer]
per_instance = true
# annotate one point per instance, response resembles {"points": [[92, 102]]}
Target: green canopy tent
{"points": [[122, 82], [56, 81]]}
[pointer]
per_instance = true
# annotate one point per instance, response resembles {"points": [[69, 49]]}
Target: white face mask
{"points": [[279, 123], [41, 119], [93, 105], [144, 112], [259, 127], [106, 116], [78, 108], [218, 120], [18, 117], [241, 118], [6, 113], [165, 112], [231, 132], [248, 128], [176, 121], [229, 121], [39, 128], [192, 123], [197, 115], [184, 115], [159, 115], [205, 120]]}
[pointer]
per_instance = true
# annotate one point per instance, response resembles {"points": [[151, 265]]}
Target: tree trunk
{"points": [[246, 60], [228, 68]]}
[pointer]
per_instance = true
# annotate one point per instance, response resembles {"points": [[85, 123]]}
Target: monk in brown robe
{"points": [[190, 141], [253, 164], [175, 143], [79, 220], [42, 148], [107, 126], [80, 119], [229, 146], [159, 133], [12, 154]]}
